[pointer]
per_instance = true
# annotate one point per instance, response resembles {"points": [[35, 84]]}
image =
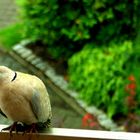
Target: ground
{"points": [[8, 13]]}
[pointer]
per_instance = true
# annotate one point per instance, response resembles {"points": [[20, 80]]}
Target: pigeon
{"points": [[24, 99]]}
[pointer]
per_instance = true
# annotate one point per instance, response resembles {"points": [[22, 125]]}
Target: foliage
{"points": [[68, 25], [11, 35], [99, 75]]}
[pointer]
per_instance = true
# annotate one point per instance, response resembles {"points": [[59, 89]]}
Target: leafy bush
{"points": [[11, 35], [100, 76], [68, 25]]}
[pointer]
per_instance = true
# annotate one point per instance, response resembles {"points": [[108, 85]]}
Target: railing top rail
{"points": [[72, 134]]}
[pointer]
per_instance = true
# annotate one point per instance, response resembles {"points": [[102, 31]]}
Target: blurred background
{"points": [[94, 45]]}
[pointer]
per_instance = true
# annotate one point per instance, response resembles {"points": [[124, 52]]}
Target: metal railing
{"points": [[70, 134]]}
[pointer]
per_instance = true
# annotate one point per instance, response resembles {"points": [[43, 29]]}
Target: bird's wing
{"points": [[2, 114], [35, 104], [40, 105]]}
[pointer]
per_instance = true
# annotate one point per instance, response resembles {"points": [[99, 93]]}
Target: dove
{"points": [[24, 98]]}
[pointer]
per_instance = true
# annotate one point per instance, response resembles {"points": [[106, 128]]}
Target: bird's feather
{"points": [[35, 104]]}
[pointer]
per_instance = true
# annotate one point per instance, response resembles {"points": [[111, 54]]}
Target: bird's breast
{"points": [[16, 107]]}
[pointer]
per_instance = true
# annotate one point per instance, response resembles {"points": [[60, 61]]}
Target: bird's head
{"points": [[6, 74]]}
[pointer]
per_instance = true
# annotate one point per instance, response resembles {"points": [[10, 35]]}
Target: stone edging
{"points": [[58, 80]]}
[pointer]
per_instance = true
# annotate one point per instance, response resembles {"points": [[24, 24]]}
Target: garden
{"points": [[94, 45]]}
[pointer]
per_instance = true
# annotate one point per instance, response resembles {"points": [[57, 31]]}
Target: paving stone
{"points": [[8, 13], [21, 51], [26, 54], [36, 61], [17, 47], [42, 66], [31, 57]]}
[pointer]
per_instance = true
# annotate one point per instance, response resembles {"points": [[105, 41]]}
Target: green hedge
{"points": [[11, 35], [68, 25], [99, 75]]}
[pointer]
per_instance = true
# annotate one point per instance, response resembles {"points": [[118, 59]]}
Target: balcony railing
{"points": [[70, 134]]}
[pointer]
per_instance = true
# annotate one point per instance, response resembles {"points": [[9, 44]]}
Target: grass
{"points": [[10, 36]]}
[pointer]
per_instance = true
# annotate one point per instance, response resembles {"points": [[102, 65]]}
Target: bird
{"points": [[24, 99]]}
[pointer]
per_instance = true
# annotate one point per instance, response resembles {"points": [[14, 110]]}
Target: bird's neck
{"points": [[7, 77]]}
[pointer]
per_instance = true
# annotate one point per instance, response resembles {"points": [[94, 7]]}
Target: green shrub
{"points": [[99, 75], [68, 25], [11, 35]]}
